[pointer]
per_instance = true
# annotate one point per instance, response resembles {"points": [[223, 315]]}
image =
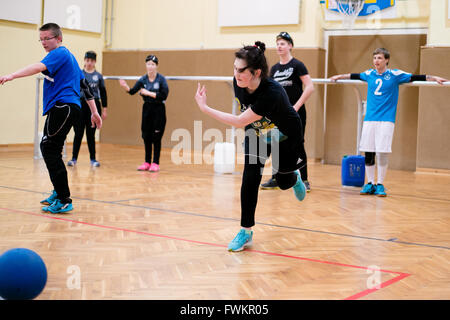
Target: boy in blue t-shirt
{"points": [[63, 82], [378, 127]]}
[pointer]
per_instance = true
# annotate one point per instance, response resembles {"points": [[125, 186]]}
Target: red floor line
{"points": [[324, 262], [353, 297], [383, 285]]}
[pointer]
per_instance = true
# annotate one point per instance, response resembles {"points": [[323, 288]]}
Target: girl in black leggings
{"points": [[154, 90], [264, 105]]}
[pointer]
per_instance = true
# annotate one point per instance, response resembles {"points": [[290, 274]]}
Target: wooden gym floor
{"points": [[142, 235]]}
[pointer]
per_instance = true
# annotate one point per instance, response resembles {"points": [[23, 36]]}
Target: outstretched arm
{"points": [[124, 85], [25, 72], [345, 76], [437, 79], [137, 86], [245, 118], [423, 77]]}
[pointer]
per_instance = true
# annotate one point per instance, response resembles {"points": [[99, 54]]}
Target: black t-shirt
{"points": [[271, 102], [288, 75]]}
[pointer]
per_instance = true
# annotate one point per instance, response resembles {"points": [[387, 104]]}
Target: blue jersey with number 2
{"points": [[382, 93]]}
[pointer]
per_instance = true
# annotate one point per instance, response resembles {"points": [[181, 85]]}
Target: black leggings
{"points": [[80, 126], [153, 125], [60, 120], [251, 178], [304, 168]]}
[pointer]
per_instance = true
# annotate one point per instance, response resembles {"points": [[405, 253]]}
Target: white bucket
{"points": [[224, 157]]}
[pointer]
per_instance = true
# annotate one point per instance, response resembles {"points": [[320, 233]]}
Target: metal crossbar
{"points": [[229, 81]]}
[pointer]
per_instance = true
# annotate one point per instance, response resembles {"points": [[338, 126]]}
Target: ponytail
{"points": [[255, 58]]}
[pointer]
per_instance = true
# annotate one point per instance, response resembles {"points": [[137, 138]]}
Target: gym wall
{"points": [[124, 117], [433, 147]]}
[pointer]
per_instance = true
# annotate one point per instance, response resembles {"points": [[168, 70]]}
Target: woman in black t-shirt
{"points": [[292, 75], [154, 91], [264, 104]]}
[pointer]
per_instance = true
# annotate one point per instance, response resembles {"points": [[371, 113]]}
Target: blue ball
{"points": [[23, 274]]}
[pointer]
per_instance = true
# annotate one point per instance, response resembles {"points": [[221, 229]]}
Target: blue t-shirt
{"points": [[62, 78], [382, 93]]}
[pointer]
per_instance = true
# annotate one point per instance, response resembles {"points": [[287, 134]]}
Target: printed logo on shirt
{"points": [[387, 76], [242, 107], [156, 86], [95, 78], [264, 123], [283, 75]]}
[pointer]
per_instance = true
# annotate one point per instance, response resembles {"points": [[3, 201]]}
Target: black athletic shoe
{"points": [[270, 184], [307, 186]]}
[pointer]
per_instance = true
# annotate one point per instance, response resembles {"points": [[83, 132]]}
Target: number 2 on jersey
{"points": [[377, 92]]}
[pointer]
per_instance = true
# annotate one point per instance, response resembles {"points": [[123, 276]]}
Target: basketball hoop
{"points": [[349, 9]]}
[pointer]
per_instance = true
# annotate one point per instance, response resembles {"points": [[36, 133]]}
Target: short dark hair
{"points": [[53, 27], [90, 55], [151, 57], [383, 51], [255, 58]]}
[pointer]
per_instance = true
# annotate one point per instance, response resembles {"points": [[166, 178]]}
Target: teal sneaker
{"points": [[50, 199], [379, 192], [299, 188], [368, 188], [243, 239], [58, 207]]}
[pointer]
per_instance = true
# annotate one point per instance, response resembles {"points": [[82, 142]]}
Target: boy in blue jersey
{"points": [[378, 127], [63, 82]]}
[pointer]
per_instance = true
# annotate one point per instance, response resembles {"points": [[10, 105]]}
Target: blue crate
{"points": [[353, 171]]}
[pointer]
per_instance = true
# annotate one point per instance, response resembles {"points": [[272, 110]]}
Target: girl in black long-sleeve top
{"points": [[154, 90], [97, 85]]}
